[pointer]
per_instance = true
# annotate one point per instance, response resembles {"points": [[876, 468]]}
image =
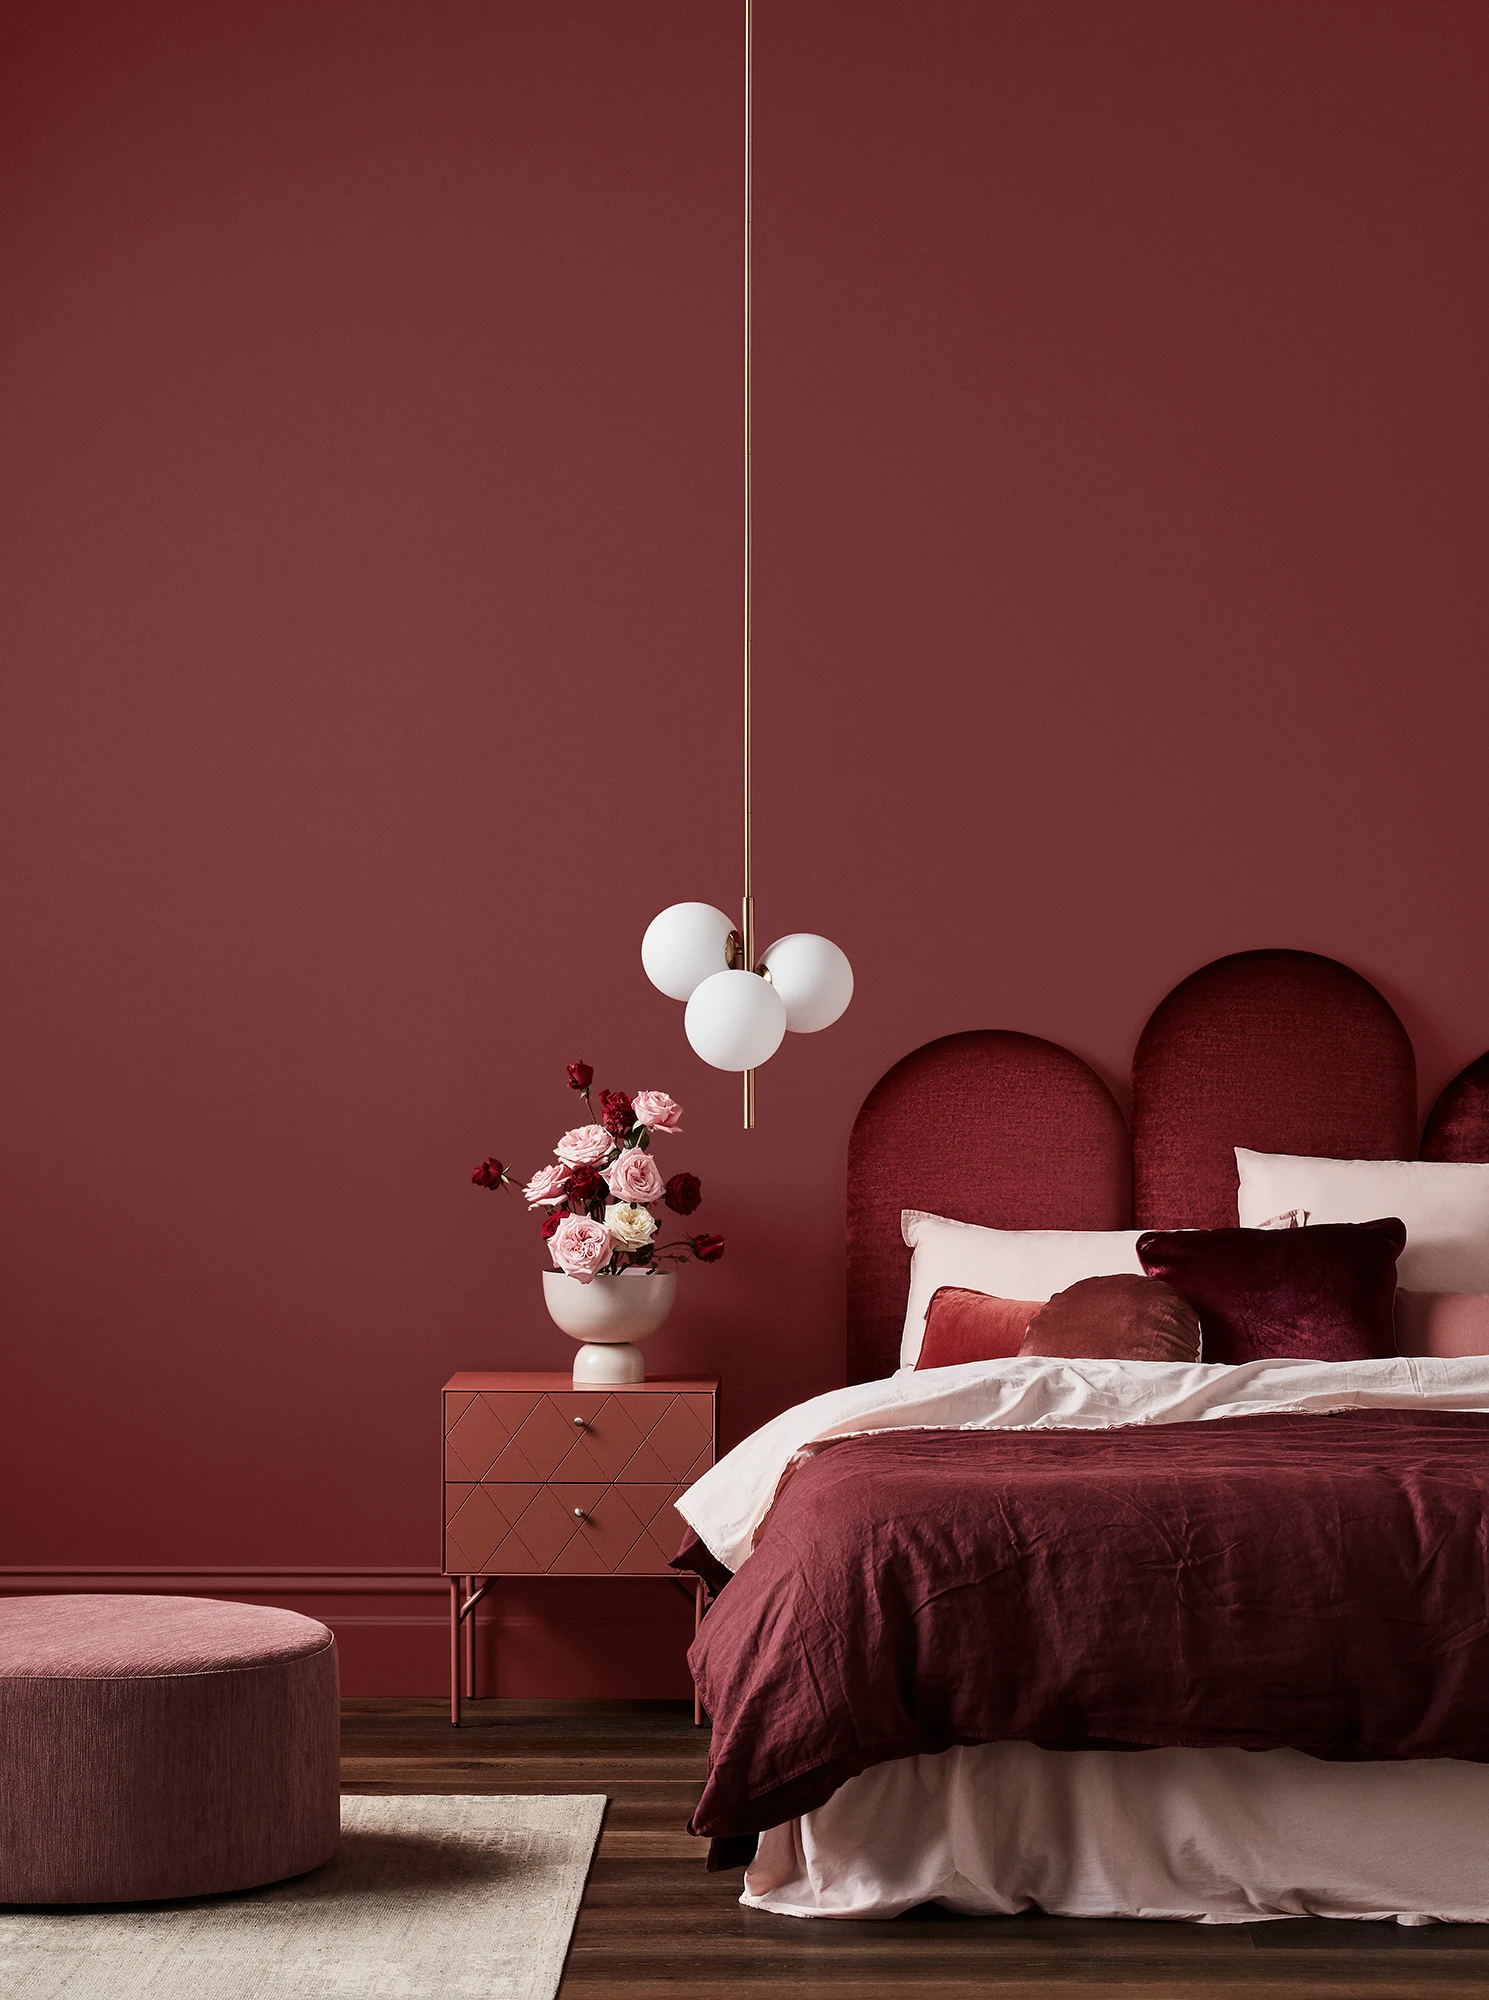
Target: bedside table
{"points": [[543, 1479]]}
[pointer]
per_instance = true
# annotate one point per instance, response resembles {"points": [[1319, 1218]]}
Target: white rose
{"points": [[630, 1224]]}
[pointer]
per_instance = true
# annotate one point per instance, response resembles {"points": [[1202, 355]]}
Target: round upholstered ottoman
{"points": [[162, 1746]]}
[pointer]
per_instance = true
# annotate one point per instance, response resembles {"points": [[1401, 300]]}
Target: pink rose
{"points": [[633, 1176], [546, 1187], [580, 1247], [585, 1146], [656, 1110]]}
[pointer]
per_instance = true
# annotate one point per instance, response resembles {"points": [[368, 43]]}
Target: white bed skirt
{"points": [[1211, 1836]]}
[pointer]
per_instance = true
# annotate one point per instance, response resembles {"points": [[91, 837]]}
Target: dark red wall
{"points": [[370, 626]]}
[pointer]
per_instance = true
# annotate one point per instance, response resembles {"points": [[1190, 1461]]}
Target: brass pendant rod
{"points": [[748, 912]]}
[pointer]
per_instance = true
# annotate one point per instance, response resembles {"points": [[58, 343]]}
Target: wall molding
{"points": [[392, 1624], [248, 1581], [183, 1577]]}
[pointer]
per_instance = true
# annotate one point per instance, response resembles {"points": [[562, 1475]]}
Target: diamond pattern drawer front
{"points": [[532, 1529], [514, 1436]]}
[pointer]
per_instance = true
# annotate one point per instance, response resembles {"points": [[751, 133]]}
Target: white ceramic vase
{"points": [[608, 1315]]}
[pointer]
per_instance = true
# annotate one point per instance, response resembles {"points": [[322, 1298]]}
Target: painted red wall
{"points": [[371, 470]]}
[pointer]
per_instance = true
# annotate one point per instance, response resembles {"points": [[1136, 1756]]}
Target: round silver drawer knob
{"points": [[580, 1422], [578, 1513]]}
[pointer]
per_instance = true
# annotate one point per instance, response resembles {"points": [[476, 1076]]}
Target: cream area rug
{"points": [[429, 1899]]}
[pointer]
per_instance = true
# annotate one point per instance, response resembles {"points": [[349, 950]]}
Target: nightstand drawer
{"points": [[562, 1528], [590, 1435]]}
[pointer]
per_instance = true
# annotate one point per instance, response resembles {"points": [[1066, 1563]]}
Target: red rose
{"points": [[489, 1174], [683, 1193], [617, 1113], [708, 1249], [584, 1184], [581, 1076], [551, 1221]]}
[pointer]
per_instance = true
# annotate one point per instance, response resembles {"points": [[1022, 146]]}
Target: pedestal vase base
{"points": [[615, 1361]]}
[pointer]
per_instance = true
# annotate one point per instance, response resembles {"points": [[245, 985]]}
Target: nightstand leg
{"points": [[454, 1652], [697, 1621], [470, 1640]]}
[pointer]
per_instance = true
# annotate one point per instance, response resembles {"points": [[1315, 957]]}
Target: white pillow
{"points": [[1444, 1204], [1005, 1263]]}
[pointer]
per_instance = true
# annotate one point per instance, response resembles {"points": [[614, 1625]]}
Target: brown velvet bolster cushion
{"points": [[972, 1326], [1324, 1293], [1120, 1318]]}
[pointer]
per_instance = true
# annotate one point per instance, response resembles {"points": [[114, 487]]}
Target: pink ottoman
{"points": [[162, 1746]]}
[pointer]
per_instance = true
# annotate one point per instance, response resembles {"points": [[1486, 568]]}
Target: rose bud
{"points": [[489, 1174], [584, 1184], [617, 1113], [551, 1221], [683, 1193], [708, 1249], [581, 1076]]}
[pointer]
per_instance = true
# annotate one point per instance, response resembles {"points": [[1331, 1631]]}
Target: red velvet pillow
{"points": [[1324, 1293], [1121, 1318], [972, 1326]]}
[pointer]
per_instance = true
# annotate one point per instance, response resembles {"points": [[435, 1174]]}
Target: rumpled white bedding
{"points": [[727, 1505], [1216, 1836]]}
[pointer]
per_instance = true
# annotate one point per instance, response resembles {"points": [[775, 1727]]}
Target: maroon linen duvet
{"points": [[1319, 1582]]}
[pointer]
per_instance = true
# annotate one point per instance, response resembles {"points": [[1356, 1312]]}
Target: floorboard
{"points": [[655, 1926]]}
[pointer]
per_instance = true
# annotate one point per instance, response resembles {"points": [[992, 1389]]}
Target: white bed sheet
{"points": [[729, 1504], [1211, 1836]]}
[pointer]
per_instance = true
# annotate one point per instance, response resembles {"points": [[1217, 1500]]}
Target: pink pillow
{"points": [[1442, 1324], [972, 1326]]}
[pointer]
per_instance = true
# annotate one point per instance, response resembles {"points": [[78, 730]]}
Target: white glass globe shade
{"points": [[813, 978], [736, 1020], [683, 946]]}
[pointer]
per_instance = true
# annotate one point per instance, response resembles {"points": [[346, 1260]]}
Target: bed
{"points": [[1113, 1639]]}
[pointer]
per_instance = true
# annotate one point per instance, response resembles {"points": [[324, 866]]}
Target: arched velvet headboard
{"points": [[1458, 1124], [1281, 1051], [990, 1127]]}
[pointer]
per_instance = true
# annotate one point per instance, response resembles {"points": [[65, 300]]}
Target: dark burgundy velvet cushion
{"points": [[972, 1326], [1325, 1293], [1121, 1318]]}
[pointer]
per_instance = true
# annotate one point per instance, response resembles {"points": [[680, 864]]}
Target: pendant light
{"points": [[738, 1011]]}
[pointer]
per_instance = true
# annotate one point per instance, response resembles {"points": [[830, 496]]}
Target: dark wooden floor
{"points": [[654, 1924]]}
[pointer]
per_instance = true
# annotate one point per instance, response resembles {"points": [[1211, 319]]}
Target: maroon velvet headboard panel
{"points": [[990, 1127], [1458, 1124], [1281, 1051]]}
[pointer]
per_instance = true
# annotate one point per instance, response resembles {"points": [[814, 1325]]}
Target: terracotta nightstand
{"points": [[543, 1479]]}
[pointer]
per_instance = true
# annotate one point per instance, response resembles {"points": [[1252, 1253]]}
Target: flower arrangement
{"points": [[601, 1198]]}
